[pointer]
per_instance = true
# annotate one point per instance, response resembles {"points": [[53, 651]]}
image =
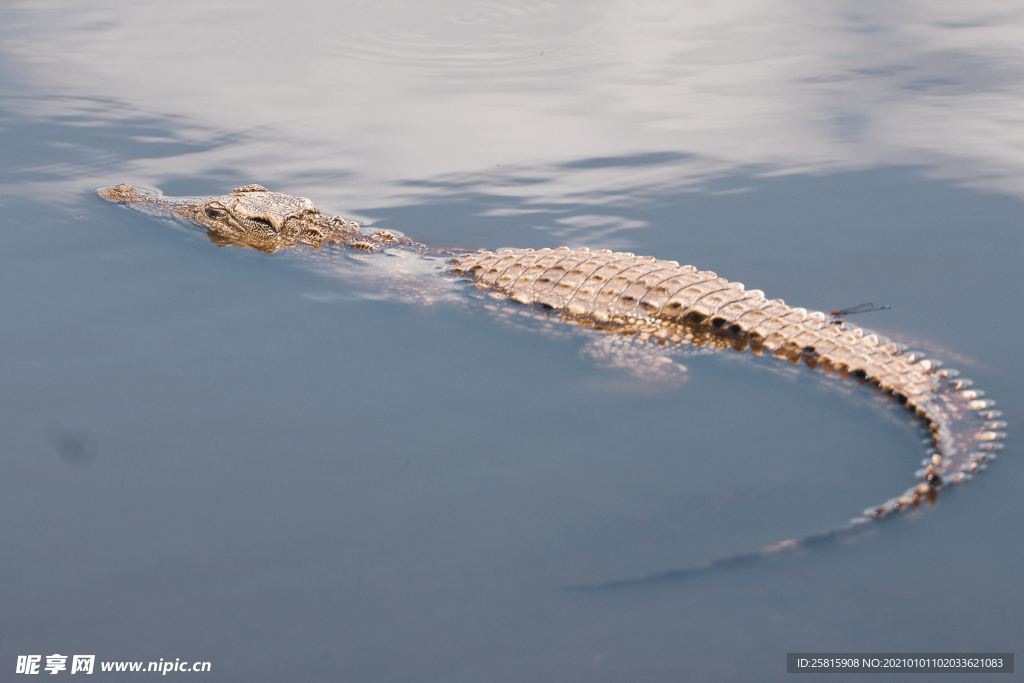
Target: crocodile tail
{"points": [[664, 302]]}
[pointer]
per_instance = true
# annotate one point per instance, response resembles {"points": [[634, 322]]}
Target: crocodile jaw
{"points": [[253, 217]]}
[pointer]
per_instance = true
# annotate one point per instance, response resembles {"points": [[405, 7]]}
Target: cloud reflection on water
{"points": [[353, 99]]}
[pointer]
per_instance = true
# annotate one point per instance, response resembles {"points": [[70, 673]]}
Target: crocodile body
{"points": [[649, 300]]}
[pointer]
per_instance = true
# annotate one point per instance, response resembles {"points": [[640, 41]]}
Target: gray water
{"points": [[217, 455]]}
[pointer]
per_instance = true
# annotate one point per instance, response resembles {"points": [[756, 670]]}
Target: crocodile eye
{"points": [[215, 210]]}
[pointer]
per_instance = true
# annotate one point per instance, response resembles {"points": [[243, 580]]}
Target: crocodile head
{"points": [[256, 217], [251, 216], [253, 209]]}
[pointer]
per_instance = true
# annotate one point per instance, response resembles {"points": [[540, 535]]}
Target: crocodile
{"points": [[649, 301]]}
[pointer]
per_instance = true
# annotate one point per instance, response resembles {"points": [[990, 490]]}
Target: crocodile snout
{"points": [[122, 194]]}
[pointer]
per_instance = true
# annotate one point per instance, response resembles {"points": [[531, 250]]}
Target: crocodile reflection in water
{"points": [[649, 301]]}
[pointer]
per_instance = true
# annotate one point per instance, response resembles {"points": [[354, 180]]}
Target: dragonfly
{"points": [[838, 315]]}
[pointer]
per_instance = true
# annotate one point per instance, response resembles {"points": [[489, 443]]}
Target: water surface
{"points": [[226, 456]]}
